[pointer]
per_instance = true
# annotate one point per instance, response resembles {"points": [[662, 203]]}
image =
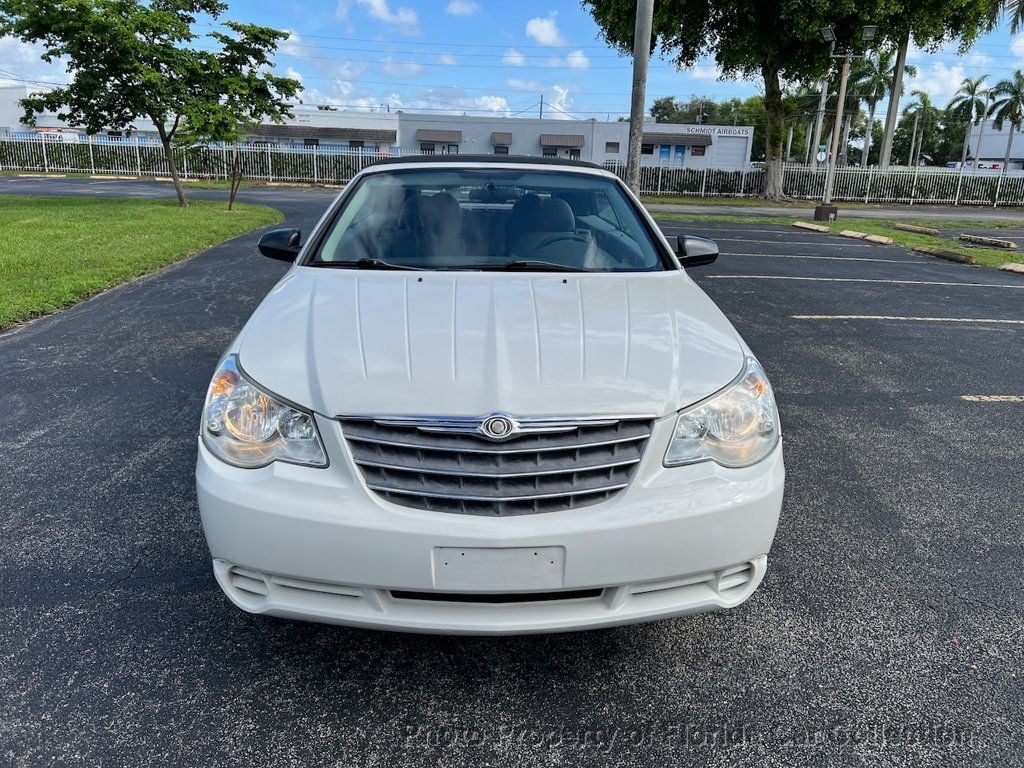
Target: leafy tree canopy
{"points": [[132, 59]]}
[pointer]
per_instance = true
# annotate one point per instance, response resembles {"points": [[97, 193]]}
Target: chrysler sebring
{"points": [[487, 398]]}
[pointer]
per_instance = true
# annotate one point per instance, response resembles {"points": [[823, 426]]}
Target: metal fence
{"points": [[133, 157], [136, 156], [937, 186]]}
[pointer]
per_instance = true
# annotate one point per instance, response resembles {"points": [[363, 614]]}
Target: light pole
{"points": [[981, 129], [826, 211], [641, 53]]}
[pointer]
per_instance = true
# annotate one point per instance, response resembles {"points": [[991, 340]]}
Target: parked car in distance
{"points": [[486, 398]]}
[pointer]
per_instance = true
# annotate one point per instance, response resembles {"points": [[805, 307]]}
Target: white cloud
{"points": [[979, 60], [577, 60], [562, 100], [453, 100], [341, 9], [293, 73], [1017, 45], [293, 45], [447, 60], [513, 58], [492, 103], [23, 60], [462, 8], [545, 30], [938, 80], [405, 20], [518, 84], [400, 68], [705, 72]]}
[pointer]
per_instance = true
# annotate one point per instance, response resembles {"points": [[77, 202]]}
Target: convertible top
{"points": [[495, 159]]}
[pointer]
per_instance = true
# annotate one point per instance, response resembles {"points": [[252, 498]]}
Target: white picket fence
{"points": [[131, 157], [936, 186], [139, 157]]}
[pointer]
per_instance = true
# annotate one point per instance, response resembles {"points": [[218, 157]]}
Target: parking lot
{"points": [[889, 629]]}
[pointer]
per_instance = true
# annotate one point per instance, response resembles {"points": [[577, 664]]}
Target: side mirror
{"points": [[281, 244], [695, 251]]}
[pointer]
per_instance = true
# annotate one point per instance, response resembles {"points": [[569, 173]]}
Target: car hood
{"points": [[346, 342]]}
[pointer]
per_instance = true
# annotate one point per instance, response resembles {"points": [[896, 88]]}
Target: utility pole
{"points": [[913, 140], [837, 127], [541, 114], [893, 113], [826, 211], [981, 130], [819, 120], [641, 54]]}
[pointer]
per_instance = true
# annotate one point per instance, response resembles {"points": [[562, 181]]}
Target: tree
{"points": [[133, 59], [235, 95], [924, 113], [969, 103], [776, 42], [875, 82], [1008, 106]]}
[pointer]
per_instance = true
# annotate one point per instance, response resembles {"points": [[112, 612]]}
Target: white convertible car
{"points": [[487, 398]]}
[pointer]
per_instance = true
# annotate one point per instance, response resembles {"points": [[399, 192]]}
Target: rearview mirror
{"points": [[281, 244], [695, 251]]}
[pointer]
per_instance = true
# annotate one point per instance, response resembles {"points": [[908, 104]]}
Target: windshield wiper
{"points": [[524, 265], [365, 264]]}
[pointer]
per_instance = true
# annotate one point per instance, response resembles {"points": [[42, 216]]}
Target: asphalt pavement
{"points": [[889, 630]]}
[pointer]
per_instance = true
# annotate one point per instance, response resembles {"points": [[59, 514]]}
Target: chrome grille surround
{"points": [[457, 465]]}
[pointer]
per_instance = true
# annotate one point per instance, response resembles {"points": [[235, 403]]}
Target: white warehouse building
{"points": [[415, 133], [992, 152]]}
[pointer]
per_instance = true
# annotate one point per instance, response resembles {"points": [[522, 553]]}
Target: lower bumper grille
{"points": [[549, 466], [505, 597]]}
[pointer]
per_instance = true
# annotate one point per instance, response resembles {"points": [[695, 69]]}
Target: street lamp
{"points": [[826, 211]]}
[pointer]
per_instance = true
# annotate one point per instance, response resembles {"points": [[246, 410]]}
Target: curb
{"points": [[1012, 267], [915, 228], [942, 253], [812, 227], [879, 239], [995, 242]]}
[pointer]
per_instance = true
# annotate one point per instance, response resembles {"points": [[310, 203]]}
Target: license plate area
{"points": [[498, 569]]}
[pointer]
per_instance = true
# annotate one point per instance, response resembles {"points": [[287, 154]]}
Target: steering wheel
{"points": [[560, 236]]}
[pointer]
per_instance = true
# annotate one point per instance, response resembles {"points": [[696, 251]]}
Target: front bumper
{"points": [[315, 544]]}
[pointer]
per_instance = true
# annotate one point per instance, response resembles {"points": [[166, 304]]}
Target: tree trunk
{"points": [[775, 136], [1009, 148], [868, 134], [236, 177], [844, 157], [165, 141], [894, 103]]}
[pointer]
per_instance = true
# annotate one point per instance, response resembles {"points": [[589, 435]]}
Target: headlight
{"points": [[246, 427], [737, 427]]}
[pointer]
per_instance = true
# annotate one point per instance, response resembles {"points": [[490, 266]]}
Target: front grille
{"points": [[559, 465]]}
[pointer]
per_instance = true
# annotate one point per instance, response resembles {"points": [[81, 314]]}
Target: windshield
{"points": [[488, 219]]}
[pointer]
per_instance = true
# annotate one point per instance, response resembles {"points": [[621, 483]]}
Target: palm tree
{"points": [[970, 100], [1009, 106], [874, 84], [922, 109]]}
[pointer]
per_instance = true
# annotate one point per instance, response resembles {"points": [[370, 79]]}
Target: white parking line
{"points": [[817, 243], [993, 398], [911, 260], [912, 319], [863, 280]]}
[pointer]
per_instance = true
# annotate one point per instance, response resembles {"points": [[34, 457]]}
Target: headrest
{"points": [[556, 216]]}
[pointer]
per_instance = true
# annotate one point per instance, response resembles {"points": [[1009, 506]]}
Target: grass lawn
{"points": [[55, 251], [989, 257]]}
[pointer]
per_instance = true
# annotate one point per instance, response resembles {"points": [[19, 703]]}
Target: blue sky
{"points": [[494, 56]]}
